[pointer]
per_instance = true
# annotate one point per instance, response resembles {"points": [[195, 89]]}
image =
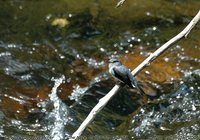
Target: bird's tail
{"points": [[141, 90], [138, 87]]}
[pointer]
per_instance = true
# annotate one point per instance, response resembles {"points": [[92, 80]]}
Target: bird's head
{"points": [[114, 60]]}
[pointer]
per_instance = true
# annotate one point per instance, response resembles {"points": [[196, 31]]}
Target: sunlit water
{"points": [[180, 109], [33, 105], [59, 115]]}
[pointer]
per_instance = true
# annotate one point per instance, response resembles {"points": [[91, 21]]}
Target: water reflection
{"points": [[74, 41]]}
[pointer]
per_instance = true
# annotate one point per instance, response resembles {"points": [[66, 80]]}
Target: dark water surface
{"points": [[53, 69]]}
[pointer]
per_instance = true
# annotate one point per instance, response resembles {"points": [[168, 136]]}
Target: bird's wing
{"points": [[135, 83], [133, 80], [125, 76], [121, 73]]}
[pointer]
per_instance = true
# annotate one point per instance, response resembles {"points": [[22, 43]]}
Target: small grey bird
{"points": [[123, 74]]}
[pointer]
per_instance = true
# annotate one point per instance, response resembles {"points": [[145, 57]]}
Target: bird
{"points": [[123, 74]]}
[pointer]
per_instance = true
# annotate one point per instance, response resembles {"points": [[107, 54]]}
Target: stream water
{"points": [[53, 69]]}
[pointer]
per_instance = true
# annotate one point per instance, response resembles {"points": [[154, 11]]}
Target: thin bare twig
{"points": [[103, 101], [120, 3]]}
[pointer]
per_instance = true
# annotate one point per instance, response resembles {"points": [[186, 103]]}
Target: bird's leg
{"points": [[120, 83]]}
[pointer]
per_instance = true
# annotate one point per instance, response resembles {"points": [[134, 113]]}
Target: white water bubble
{"points": [[139, 40], [102, 49], [126, 51], [192, 88], [130, 45], [166, 59], [61, 56], [5, 54], [154, 28], [70, 15], [194, 108], [147, 72], [132, 38], [148, 13]]}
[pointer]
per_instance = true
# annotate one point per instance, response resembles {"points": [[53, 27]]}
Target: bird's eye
{"points": [[113, 60]]}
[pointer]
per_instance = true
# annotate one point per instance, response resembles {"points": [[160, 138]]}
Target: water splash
{"points": [[59, 113], [1, 125], [176, 112], [77, 93]]}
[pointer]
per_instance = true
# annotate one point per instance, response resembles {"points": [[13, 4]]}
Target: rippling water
{"points": [[172, 114], [53, 69], [59, 113]]}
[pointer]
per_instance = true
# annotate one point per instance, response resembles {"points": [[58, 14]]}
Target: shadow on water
{"points": [[53, 69]]}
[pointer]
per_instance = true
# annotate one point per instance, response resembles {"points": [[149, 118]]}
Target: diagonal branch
{"points": [[103, 101]]}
